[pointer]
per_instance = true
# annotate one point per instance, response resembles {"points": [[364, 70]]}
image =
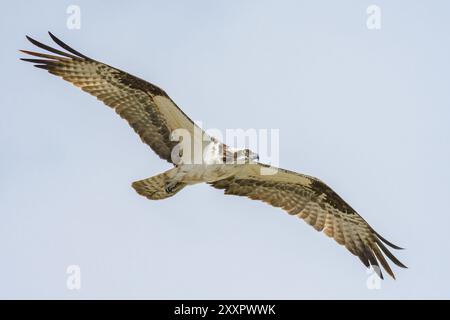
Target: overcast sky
{"points": [[367, 111]]}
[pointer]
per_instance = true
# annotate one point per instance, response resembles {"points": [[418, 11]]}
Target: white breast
{"points": [[212, 154], [212, 168]]}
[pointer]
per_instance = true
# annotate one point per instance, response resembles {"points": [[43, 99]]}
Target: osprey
{"points": [[154, 116]]}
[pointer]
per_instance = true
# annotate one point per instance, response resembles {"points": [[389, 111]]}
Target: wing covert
{"points": [[147, 108], [317, 204]]}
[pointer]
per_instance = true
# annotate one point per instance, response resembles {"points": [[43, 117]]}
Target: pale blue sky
{"points": [[366, 111]]}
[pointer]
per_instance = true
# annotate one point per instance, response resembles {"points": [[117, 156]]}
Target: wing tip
{"points": [[390, 244], [393, 276], [66, 46], [389, 254], [73, 53], [54, 38]]}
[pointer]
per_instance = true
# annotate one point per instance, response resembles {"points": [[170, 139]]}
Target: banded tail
{"points": [[158, 187]]}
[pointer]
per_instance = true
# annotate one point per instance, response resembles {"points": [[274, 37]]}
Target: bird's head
{"points": [[246, 156]]}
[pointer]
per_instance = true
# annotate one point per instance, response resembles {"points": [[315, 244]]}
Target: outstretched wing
{"points": [[146, 107], [317, 204]]}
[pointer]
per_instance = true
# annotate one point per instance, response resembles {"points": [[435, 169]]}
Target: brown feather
{"points": [[318, 205], [146, 107]]}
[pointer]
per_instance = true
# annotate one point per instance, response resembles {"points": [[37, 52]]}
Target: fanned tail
{"points": [[158, 187]]}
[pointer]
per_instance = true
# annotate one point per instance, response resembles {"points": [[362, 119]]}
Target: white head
{"points": [[245, 156]]}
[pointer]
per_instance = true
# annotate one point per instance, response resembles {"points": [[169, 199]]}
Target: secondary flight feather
{"points": [[155, 117]]}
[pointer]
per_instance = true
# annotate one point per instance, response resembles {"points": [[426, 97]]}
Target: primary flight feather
{"points": [[154, 116]]}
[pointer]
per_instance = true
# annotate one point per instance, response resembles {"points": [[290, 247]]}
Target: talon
{"points": [[169, 187]]}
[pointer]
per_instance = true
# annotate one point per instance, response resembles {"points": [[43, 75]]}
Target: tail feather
{"points": [[155, 188]]}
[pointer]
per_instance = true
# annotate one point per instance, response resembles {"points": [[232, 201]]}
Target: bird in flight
{"points": [[155, 117]]}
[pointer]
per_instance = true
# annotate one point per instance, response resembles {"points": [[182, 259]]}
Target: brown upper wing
{"points": [[146, 107], [317, 204]]}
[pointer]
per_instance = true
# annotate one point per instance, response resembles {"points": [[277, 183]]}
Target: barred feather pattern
{"points": [[146, 107], [154, 116], [313, 201]]}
